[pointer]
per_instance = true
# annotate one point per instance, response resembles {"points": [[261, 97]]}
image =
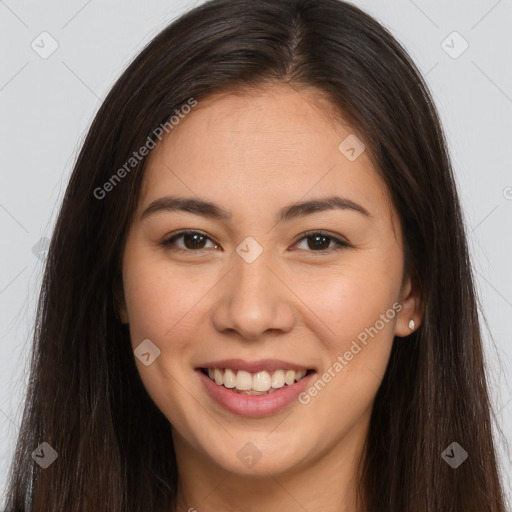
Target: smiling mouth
{"points": [[259, 383]]}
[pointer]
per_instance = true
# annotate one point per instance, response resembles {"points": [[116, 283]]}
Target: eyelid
{"points": [[321, 232], [340, 242], [167, 242]]}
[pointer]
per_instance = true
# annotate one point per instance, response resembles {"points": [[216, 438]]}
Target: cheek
{"points": [[348, 300], [162, 307], [355, 318], [160, 299]]}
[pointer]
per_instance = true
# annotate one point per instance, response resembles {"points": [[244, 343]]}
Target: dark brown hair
{"points": [[85, 397]]}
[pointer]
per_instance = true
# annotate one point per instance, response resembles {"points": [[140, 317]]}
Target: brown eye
{"points": [[191, 241], [194, 241], [321, 242]]}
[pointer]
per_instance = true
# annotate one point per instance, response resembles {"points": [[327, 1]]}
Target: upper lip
{"points": [[255, 366]]}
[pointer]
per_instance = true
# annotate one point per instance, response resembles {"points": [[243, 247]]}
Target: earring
{"points": [[411, 325]]}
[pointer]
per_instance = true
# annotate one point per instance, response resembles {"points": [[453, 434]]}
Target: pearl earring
{"points": [[411, 325]]}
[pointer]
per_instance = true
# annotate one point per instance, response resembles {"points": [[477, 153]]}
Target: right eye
{"points": [[192, 241]]}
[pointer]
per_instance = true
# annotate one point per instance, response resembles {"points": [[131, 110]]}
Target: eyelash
{"points": [[340, 244]]}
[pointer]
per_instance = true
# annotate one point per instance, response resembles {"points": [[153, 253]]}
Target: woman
{"points": [[258, 293]]}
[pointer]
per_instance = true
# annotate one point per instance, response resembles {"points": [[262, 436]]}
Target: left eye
{"points": [[321, 242], [195, 240]]}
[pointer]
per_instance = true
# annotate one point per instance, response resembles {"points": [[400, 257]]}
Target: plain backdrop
{"points": [[47, 103]]}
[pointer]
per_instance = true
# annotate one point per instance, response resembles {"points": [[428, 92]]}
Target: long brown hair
{"points": [[85, 398]]}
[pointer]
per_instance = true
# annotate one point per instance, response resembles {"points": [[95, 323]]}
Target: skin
{"points": [[254, 153]]}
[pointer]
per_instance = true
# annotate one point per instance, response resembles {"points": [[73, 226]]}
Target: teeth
{"points": [[229, 378], [259, 383], [243, 381], [300, 375], [217, 375], [289, 377], [278, 379]]}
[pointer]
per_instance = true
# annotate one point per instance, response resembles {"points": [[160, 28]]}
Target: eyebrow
{"points": [[215, 211]]}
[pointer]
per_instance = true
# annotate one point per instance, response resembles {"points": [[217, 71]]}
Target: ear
{"points": [[119, 301], [410, 298]]}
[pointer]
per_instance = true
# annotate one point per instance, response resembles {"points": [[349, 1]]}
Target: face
{"points": [[266, 328]]}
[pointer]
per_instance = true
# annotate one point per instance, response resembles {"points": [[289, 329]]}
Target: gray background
{"points": [[47, 104]]}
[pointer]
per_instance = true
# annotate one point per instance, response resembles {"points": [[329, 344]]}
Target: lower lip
{"points": [[254, 406]]}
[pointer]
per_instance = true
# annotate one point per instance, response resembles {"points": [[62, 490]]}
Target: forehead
{"points": [[257, 147]]}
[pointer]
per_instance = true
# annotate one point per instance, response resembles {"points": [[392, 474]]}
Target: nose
{"points": [[254, 301]]}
